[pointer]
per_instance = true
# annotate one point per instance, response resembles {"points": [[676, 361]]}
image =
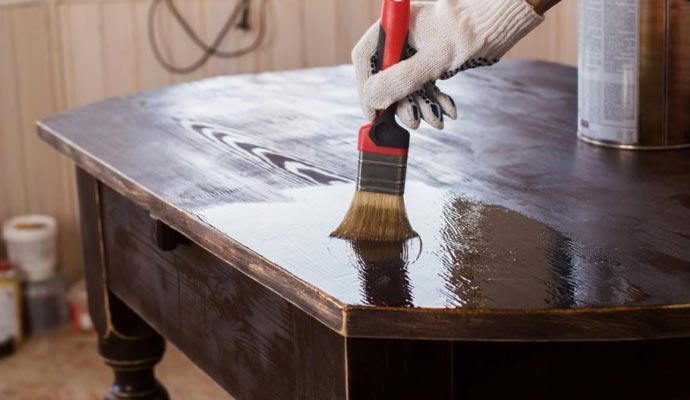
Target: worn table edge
{"points": [[530, 325]]}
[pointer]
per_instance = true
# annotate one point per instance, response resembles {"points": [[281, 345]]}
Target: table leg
{"points": [[132, 355], [126, 342]]}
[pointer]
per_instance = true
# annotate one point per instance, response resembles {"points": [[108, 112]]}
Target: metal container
{"points": [[634, 73]]}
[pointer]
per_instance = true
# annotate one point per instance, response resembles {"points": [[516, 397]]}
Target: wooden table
{"points": [[546, 268]]}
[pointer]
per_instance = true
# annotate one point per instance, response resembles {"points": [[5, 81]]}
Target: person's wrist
{"points": [[542, 6], [537, 5], [502, 23]]}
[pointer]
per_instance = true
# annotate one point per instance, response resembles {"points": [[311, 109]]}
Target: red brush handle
{"points": [[395, 23], [383, 135]]}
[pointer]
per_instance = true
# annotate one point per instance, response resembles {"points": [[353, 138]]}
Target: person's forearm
{"points": [[542, 6]]}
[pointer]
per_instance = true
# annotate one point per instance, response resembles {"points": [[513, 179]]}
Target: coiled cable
{"points": [[241, 10]]}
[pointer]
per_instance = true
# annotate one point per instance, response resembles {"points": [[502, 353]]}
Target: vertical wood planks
{"points": [[119, 56], [263, 56], [13, 192], [35, 101], [183, 50], [82, 34], [33, 179], [555, 39], [80, 27], [216, 12], [71, 257], [320, 33], [566, 33], [286, 46], [354, 18], [149, 73]]}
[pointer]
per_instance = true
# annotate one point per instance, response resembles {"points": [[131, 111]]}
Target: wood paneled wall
{"points": [[59, 54]]}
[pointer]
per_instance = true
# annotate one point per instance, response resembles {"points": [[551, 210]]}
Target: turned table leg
{"points": [[132, 356]]}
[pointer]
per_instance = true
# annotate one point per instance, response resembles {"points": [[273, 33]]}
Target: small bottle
{"points": [[10, 310]]}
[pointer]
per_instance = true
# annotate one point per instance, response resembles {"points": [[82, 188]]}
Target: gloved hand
{"points": [[446, 37]]}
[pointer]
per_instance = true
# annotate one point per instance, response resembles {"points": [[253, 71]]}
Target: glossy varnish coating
{"points": [[524, 232], [246, 336]]}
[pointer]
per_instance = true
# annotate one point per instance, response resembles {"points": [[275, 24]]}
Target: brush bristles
{"points": [[376, 217]]}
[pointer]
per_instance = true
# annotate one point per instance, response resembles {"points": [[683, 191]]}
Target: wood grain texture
{"points": [[81, 51], [526, 233]]}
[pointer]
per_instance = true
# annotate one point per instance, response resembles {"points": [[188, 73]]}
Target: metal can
{"points": [[634, 73]]}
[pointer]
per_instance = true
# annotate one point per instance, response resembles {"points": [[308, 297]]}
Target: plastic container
{"points": [[45, 304], [32, 245]]}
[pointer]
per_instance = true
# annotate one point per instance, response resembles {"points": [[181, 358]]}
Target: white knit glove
{"points": [[446, 37]]}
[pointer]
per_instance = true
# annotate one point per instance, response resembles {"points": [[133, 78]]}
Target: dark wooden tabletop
{"points": [[525, 233]]}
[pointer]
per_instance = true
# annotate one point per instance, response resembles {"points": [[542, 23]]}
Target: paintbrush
{"points": [[377, 211]]}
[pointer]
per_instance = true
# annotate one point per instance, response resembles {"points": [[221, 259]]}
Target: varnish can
{"points": [[634, 73]]}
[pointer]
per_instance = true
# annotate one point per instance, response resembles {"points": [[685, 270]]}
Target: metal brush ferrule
{"points": [[381, 173]]}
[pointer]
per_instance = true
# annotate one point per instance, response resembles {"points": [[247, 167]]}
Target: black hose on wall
{"points": [[239, 17]]}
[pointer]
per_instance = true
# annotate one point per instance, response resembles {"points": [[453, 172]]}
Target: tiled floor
{"points": [[59, 366]]}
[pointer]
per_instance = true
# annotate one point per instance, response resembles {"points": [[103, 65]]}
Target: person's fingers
{"points": [[366, 46], [430, 110], [395, 83], [408, 112], [446, 102], [469, 64]]}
